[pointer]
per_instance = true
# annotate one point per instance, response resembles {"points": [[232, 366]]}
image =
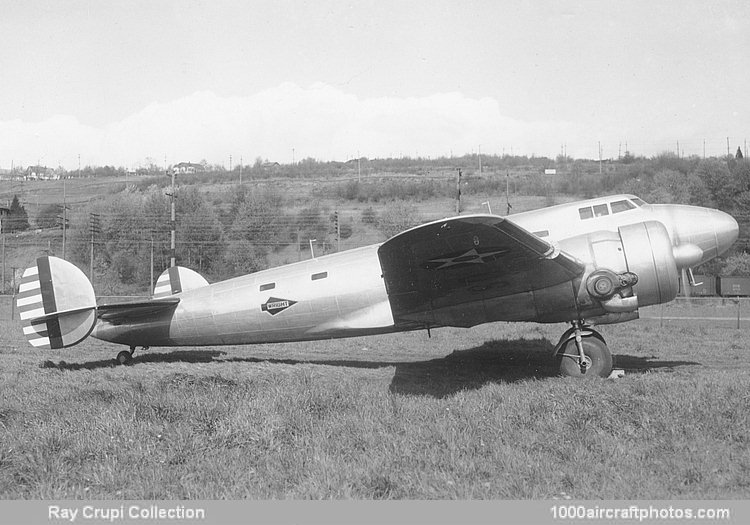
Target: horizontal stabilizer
{"points": [[56, 304], [177, 279], [134, 310]]}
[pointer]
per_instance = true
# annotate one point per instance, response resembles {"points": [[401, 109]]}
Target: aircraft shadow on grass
{"points": [[639, 364], [499, 361]]}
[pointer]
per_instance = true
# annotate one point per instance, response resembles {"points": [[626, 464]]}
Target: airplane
{"points": [[585, 263]]}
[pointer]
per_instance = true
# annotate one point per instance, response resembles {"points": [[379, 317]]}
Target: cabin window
{"points": [[601, 210], [586, 213], [267, 286], [542, 233], [638, 202], [318, 276], [619, 206]]}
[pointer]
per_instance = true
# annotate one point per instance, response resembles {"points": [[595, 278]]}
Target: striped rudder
{"points": [[56, 304], [177, 279]]}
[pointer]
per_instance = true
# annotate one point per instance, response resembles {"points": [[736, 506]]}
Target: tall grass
{"points": [[461, 415]]}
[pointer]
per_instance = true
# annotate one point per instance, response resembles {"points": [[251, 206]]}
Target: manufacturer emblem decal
{"points": [[275, 305]]}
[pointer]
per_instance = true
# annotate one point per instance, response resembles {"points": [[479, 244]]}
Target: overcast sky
{"points": [[119, 82]]}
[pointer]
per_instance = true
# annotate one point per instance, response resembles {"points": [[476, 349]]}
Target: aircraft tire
{"points": [[124, 357], [599, 358]]}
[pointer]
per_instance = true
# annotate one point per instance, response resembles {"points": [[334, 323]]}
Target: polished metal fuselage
{"points": [[344, 294], [336, 295]]}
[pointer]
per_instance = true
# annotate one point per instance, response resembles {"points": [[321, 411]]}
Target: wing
{"points": [[433, 269]]}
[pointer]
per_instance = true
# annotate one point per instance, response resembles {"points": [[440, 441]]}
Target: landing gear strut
{"points": [[582, 352], [126, 356]]}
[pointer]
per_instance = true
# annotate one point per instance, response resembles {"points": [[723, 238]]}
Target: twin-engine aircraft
{"points": [[591, 262]]}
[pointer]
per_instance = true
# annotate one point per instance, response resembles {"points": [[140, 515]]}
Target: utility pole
{"points": [[337, 227], [151, 286], [704, 149], [507, 192], [458, 192], [729, 151], [65, 219], [174, 223], [600, 158], [94, 225], [13, 300]]}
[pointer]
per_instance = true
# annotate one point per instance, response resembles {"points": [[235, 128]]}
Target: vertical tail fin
{"points": [[56, 303], [177, 279]]}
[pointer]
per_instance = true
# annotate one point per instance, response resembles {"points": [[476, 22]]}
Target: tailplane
{"points": [[56, 303]]}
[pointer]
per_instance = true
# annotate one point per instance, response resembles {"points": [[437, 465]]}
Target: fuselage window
{"points": [[618, 206], [267, 286], [601, 210], [585, 213], [318, 276]]}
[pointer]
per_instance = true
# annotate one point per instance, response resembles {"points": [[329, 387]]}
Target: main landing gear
{"points": [[582, 352], [126, 356]]}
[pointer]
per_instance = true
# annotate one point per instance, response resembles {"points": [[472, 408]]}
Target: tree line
{"points": [[248, 226]]}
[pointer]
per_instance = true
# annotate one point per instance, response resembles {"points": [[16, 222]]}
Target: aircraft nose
{"points": [[698, 234], [726, 228], [712, 231]]}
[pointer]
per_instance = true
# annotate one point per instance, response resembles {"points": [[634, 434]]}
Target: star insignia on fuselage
{"points": [[469, 257]]}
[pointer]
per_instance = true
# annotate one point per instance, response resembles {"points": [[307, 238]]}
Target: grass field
{"points": [[473, 413]]}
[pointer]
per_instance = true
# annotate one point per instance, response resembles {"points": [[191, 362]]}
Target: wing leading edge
{"points": [[452, 271]]}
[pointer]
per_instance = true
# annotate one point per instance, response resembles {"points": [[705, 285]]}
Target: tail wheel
{"points": [[597, 357]]}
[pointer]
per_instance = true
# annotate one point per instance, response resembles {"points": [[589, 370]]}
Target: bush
{"points": [[369, 216]]}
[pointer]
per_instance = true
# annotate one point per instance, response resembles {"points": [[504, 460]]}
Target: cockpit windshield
{"points": [[600, 210]]}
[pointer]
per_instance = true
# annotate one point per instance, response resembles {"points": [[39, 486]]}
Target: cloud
{"points": [[319, 121]]}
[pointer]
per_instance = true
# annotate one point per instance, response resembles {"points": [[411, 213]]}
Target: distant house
{"points": [[41, 173], [188, 167]]}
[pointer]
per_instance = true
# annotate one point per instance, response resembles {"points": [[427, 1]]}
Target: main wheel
{"points": [[124, 357], [597, 356]]}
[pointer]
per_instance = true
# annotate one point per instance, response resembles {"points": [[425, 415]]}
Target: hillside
{"points": [[226, 229]]}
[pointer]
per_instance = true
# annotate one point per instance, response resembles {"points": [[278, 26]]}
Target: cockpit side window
{"points": [[586, 213], [638, 202], [601, 210], [620, 206]]}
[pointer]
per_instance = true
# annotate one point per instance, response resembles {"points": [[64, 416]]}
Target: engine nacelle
{"points": [[649, 254], [627, 269]]}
